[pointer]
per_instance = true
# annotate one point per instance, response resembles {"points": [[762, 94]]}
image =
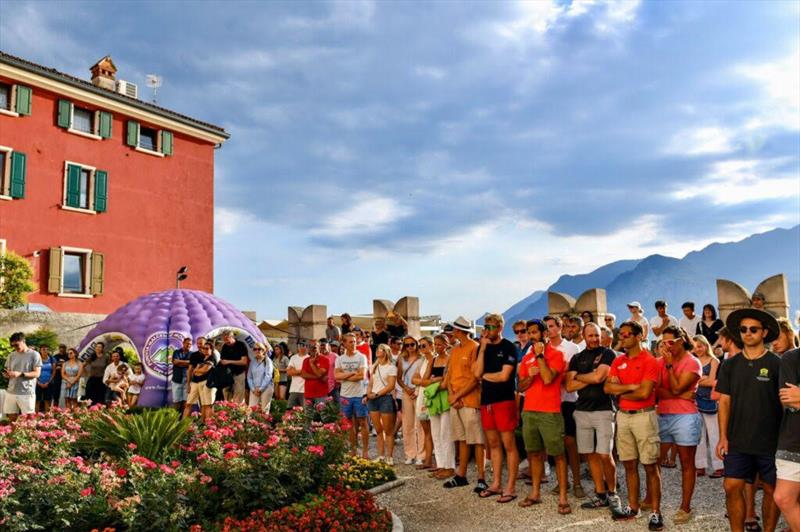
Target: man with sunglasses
{"points": [[679, 421], [750, 414], [633, 377], [496, 366]]}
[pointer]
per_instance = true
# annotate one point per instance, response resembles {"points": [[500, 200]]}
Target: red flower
{"points": [[121, 472], [87, 491]]}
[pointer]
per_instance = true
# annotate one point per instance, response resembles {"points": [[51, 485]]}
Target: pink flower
{"points": [[205, 479], [203, 456], [175, 464], [166, 469], [87, 491], [230, 455], [319, 450], [132, 446]]}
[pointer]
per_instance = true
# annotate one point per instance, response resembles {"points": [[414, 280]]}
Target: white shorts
{"points": [[787, 470], [19, 404]]}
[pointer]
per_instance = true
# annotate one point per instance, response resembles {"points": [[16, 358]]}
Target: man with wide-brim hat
{"points": [[750, 414]]}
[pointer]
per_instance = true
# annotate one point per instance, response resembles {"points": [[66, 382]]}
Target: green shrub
{"points": [[17, 282], [5, 349], [156, 434], [42, 336]]}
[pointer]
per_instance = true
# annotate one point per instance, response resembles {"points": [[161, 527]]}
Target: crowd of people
{"points": [[713, 398]]}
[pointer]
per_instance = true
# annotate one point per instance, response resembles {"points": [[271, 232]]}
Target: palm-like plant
{"points": [[156, 433]]}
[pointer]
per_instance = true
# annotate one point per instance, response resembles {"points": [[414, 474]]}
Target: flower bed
{"points": [[241, 461], [358, 473]]}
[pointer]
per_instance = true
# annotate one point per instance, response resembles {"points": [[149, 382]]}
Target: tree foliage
{"points": [[16, 280]]}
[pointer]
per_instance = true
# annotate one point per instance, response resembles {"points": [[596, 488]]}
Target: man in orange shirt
{"points": [[540, 374], [464, 394], [633, 377]]}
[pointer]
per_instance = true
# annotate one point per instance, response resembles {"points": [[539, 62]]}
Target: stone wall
{"points": [[70, 327]]}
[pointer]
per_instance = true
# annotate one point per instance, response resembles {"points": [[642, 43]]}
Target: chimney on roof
{"points": [[104, 74]]}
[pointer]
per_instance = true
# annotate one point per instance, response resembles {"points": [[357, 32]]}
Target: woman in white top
{"points": [[135, 387], [422, 379], [382, 409], [637, 315]]}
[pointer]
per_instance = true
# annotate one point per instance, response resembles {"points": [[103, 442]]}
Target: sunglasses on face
{"points": [[491, 327], [753, 329], [409, 345], [520, 331], [257, 349]]}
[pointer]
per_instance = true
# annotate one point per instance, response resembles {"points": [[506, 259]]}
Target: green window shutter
{"points": [[98, 278], [64, 113], [166, 142], [73, 185], [106, 120], [18, 171], [54, 279], [23, 104], [100, 190], [133, 133]]}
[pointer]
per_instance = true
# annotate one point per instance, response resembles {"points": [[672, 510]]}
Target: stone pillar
{"points": [[592, 300], [306, 324], [407, 307], [559, 303], [732, 296]]}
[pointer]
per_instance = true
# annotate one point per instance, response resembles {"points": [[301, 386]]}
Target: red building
{"points": [[106, 195]]}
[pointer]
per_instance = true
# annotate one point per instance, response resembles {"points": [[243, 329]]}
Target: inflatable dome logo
{"points": [[154, 327]]}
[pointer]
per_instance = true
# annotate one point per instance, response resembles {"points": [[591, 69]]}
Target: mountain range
{"points": [[691, 278]]}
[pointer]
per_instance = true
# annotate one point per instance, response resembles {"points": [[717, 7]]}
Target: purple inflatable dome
{"points": [[155, 324]]}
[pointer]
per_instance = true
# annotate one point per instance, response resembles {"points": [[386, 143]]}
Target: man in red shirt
{"points": [[540, 374], [633, 377], [315, 373]]}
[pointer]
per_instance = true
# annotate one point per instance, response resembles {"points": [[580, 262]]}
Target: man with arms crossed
{"points": [[350, 370], [787, 459], [633, 377], [750, 415], [594, 416]]}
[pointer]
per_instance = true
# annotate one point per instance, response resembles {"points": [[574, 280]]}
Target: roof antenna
{"points": [[154, 82]]}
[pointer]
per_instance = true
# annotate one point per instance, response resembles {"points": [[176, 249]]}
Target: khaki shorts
{"points": [[543, 430], [637, 437], [19, 404], [465, 425], [198, 391]]}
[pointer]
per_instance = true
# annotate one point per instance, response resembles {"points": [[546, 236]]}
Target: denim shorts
{"points": [[178, 392], [383, 404], [352, 407], [682, 429]]}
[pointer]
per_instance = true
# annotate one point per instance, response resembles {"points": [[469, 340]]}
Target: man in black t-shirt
{"points": [[787, 459], [495, 366], [379, 336], [397, 326], [200, 364], [594, 416], [233, 355], [750, 414]]}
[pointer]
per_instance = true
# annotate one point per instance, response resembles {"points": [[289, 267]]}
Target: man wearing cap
{"points": [[679, 421], [661, 321], [464, 395], [787, 459], [750, 414], [633, 377], [637, 314], [758, 301]]}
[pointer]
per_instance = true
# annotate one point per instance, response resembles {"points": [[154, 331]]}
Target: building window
{"points": [[83, 120], [148, 139], [5, 96], [15, 100], [74, 273], [85, 188], [13, 167]]}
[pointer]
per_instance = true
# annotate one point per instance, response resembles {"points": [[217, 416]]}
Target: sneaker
{"points": [[682, 517], [595, 502], [656, 522], [625, 514], [409, 461], [418, 462], [578, 491], [390, 461], [481, 486], [614, 502]]}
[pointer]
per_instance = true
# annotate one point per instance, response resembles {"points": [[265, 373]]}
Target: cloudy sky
{"points": [[466, 153]]}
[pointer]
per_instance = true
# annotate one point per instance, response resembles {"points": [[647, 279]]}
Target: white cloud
{"points": [[335, 152], [745, 180], [431, 72], [701, 141], [229, 221], [367, 214], [780, 84]]}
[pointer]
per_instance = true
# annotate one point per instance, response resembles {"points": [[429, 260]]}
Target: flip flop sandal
{"points": [[669, 465], [528, 502], [506, 498], [485, 494], [456, 482], [564, 509], [752, 526]]}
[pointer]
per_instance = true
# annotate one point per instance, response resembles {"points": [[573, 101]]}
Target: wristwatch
{"points": [[669, 366]]}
